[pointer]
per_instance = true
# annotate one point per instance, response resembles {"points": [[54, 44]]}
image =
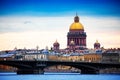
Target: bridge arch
{"points": [[38, 66], [61, 67], [85, 68]]}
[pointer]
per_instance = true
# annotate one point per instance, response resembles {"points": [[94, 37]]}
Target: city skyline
{"points": [[31, 23]]}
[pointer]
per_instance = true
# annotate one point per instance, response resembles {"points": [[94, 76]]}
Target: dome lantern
{"points": [[76, 19], [76, 25]]}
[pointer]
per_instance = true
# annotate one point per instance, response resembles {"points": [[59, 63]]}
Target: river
{"points": [[59, 76]]}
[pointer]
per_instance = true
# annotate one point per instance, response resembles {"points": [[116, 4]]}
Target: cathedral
{"points": [[76, 37]]}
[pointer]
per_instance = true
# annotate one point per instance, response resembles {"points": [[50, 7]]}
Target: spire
{"points": [[56, 41], [76, 13]]}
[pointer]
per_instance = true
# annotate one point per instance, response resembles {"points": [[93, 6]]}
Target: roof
{"points": [[6, 55], [76, 54]]}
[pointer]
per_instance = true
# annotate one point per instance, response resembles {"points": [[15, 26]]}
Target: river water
{"points": [[59, 76]]}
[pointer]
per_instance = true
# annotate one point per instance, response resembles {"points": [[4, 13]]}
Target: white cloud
{"points": [[43, 31]]}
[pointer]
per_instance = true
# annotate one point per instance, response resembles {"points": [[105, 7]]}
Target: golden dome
{"points": [[76, 25]]}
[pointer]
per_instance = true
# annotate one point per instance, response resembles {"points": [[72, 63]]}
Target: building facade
{"points": [[76, 37], [111, 57], [35, 56], [93, 57]]}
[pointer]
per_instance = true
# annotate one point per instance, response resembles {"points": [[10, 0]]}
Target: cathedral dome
{"points": [[76, 25], [56, 43], [96, 45]]}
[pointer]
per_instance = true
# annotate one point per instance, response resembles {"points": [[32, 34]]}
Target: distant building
{"points": [[93, 57], [111, 57], [45, 51], [76, 35], [53, 57], [7, 56], [114, 50], [35, 56], [76, 57]]}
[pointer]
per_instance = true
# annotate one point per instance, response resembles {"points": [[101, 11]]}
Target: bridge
{"points": [[37, 67]]}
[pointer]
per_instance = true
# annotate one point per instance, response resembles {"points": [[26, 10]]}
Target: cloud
{"points": [[43, 31], [19, 24], [27, 22], [16, 24]]}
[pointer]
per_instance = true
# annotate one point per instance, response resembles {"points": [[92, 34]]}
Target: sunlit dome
{"points": [[76, 25]]}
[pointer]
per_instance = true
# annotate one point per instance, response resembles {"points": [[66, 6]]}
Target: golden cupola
{"points": [[96, 45], [76, 25]]}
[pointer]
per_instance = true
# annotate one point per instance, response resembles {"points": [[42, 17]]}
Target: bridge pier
{"points": [[89, 71], [30, 71]]}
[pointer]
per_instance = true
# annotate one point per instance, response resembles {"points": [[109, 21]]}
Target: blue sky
{"points": [[60, 7]]}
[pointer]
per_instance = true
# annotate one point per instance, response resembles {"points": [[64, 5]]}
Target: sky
{"points": [[31, 23]]}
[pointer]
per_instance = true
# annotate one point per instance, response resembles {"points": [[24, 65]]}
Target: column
{"points": [[76, 41], [68, 41], [85, 42], [79, 41]]}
